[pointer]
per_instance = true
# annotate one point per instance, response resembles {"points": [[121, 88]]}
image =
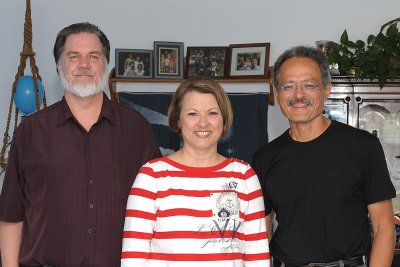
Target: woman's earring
{"points": [[181, 141]]}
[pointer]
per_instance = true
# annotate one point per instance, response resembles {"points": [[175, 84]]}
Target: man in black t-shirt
{"points": [[324, 180]]}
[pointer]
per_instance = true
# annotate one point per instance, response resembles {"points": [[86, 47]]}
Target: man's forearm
{"points": [[381, 215], [269, 220], [10, 242], [382, 248]]}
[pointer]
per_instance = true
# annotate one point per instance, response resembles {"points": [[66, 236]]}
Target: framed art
{"points": [[209, 61], [168, 59], [133, 63], [249, 60]]}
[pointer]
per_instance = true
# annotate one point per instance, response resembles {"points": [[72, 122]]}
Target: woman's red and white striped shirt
{"points": [[189, 216]]}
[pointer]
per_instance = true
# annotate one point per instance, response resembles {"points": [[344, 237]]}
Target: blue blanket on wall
{"points": [[247, 134]]}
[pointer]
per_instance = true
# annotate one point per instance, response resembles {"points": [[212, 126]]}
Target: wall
{"points": [[136, 24]]}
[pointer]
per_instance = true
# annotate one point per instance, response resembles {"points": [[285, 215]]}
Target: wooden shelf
{"points": [[168, 82], [163, 80]]}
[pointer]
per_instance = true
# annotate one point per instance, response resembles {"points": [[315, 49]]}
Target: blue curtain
{"points": [[248, 133]]}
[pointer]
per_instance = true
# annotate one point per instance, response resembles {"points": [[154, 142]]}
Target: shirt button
{"points": [[89, 230], [91, 206], [91, 181]]}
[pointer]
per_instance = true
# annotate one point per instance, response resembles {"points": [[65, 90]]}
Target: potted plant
{"points": [[345, 54], [378, 59]]}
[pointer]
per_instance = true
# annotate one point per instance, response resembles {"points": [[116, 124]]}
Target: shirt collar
{"points": [[107, 112]]}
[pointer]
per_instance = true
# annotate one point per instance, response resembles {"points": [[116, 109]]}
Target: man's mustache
{"points": [[297, 100], [84, 73]]}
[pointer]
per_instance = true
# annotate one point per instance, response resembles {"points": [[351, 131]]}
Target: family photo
{"points": [[248, 61], [206, 61], [133, 63]]}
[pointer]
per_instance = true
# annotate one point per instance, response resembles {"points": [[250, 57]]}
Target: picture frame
{"points": [[249, 60], [133, 63], [208, 61], [168, 60]]}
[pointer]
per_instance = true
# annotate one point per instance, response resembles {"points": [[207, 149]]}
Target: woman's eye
{"points": [[192, 114], [213, 113]]}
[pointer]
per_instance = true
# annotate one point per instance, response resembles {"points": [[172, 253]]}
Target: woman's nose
{"points": [[203, 120]]}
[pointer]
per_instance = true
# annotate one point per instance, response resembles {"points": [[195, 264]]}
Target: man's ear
{"points": [[275, 93], [327, 92]]}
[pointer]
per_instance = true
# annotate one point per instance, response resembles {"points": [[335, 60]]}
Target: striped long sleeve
{"points": [[184, 216]]}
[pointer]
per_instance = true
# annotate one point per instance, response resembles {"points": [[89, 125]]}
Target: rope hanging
{"points": [[27, 52]]}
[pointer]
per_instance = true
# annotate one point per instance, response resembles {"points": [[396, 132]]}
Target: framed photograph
{"points": [[133, 63], [168, 60], [206, 61], [249, 60]]}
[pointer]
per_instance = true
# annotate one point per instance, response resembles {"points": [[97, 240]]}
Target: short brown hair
{"points": [[201, 85]]}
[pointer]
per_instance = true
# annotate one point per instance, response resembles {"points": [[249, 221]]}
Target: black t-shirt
{"points": [[320, 190]]}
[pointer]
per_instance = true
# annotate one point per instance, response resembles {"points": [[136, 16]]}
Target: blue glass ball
{"points": [[25, 97]]}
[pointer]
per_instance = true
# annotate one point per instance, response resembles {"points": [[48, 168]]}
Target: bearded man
{"points": [[71, 165]]}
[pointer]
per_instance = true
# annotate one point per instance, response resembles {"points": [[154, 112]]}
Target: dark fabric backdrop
{"points": [[248, 133]]}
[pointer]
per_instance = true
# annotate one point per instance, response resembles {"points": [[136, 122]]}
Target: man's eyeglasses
{"points": [[290, 87]]}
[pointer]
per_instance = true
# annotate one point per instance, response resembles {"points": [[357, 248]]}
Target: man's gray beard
{"points": [[84, 90]]}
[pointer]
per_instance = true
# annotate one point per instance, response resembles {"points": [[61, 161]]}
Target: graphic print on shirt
{"points": [[225, 222]]}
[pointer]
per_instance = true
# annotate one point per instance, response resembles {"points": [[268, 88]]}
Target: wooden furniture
{"points": [[148, 85], [376, 110]]}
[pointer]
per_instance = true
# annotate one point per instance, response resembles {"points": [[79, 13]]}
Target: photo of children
{"points": [[168, 61]]}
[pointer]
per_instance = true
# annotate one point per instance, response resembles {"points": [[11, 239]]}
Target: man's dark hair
{"points": [[80, 27]]}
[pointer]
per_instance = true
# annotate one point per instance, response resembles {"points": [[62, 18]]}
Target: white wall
{"points": [[136, 24]]}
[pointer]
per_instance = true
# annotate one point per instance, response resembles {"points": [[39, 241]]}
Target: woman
{"points": [[195, 207], [140, 70]]}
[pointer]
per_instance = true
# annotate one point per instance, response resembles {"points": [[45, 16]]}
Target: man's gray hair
{"points": [[305, 52]]}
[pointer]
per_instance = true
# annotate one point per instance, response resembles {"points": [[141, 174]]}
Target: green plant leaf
{"points": [[351, 44], [371, 39], [360, 44], [382, 81], [392, 30], [344, 39], [377, 58], [393, 73]]}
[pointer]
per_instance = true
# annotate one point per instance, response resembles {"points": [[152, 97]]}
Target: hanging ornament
{"points": [[27, 91], [25, 97]]}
